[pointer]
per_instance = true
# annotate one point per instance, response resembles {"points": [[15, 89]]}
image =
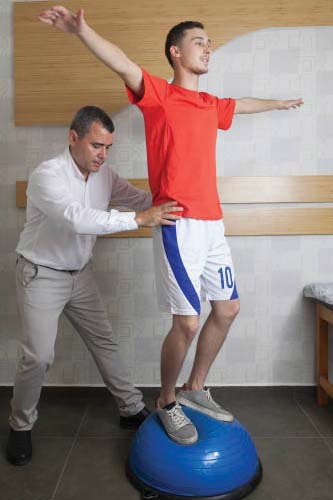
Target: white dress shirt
{"points": [[65, 213]]}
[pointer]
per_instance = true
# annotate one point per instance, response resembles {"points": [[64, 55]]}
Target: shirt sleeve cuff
{"points": [[126, 219]]}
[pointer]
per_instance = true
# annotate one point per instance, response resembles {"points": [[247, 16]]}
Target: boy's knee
{"points": [[188, 325], [234, 308], [228, 312]]}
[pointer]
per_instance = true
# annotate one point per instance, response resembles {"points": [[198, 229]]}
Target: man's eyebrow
{"points": [[201, 38], [101, 144]]}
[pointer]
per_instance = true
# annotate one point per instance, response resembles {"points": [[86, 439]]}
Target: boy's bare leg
{"points": [[211, 339], [174, 350]]}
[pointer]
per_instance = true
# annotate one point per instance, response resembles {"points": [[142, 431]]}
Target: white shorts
{"points": [[192, 264]]}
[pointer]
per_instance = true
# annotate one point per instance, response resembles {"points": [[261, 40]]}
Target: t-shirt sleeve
{"points": [[226, 110], [154, 92]]}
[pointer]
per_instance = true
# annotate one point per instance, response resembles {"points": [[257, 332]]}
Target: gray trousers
{"points": [[42, 295]]}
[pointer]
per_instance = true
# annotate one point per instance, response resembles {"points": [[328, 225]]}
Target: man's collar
{"points": [[73, 167]]}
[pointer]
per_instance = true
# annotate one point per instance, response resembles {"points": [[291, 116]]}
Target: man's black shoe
{"points": [[19, 448], [134, 421]]}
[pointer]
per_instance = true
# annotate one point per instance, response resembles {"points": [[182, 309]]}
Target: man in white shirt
{"points": [[67, 207]]}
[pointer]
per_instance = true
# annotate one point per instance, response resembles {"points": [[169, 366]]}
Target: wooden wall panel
{"points": [[264, 222], [287, 189], [254, 220], [55, 75]]}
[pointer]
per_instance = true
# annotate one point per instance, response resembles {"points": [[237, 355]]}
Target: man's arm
{"points": [[124, 194], [249, 105], [107, 52], [54, 199]]}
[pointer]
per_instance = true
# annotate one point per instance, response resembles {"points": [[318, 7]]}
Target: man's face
{"points": [[90, 151], [194, 51]]}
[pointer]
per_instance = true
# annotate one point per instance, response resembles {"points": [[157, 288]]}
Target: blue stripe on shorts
{"points": [[234, 293], [171, 249]]}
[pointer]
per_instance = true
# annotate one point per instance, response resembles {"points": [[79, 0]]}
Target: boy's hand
{"points": [[295, 103], [64, 19]]}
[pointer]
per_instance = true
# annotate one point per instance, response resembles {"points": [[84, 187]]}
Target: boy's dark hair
{"points": [[84, 118], [176, 34]]}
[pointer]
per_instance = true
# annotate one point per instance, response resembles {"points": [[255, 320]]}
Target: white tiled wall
{"points": [[272, 341]]}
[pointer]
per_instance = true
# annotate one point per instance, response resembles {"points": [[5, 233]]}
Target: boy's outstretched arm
{"points": [[107, 52], [249, 105]]}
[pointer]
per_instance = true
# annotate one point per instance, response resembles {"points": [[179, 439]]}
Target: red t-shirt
{"points": [[181, 131]]}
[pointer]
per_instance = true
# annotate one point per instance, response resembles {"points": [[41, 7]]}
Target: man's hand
{"points": [[64, 19], [160, 215], [296, 103]]}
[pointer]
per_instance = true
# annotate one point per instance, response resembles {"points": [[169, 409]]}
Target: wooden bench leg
{"points": [[322, 356]]}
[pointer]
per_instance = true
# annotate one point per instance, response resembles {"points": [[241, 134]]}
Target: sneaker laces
{"points": [[178, 417], [209, 397]]}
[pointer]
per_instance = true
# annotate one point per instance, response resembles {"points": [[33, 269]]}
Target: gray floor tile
{"points": [[37, 480], [266, 411], [102, 420], [295, 469], [102, 417], [96, 469], [4, 414], [321, 416], [60, 412], [294, 438], [5, 392], [330, 443]]}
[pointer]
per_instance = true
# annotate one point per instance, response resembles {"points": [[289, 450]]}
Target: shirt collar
{"points": [[74, 170]]}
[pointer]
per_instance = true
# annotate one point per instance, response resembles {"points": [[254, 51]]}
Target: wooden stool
{"points": [[323, 294]]}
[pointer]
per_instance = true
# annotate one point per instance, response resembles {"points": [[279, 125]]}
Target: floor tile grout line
{"points": [[329, 445], [56, 488], [318, 438], [324, 439]]}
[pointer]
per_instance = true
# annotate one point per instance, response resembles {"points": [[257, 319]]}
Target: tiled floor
{"points": [[80, 451]]}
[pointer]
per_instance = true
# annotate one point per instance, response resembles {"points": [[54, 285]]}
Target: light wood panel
{"points": [[265, 222], [278, 221], [55, 75], [287, 189], [21, 197], [254, 220]]}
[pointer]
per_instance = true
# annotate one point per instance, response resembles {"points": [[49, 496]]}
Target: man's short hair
{"points": [[176, 34], [87, 115]]}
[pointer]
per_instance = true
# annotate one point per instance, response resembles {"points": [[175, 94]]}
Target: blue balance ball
{"points": [[222, 464]]}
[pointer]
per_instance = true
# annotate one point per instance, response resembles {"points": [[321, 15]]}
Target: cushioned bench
{"points": [[322, 293]]}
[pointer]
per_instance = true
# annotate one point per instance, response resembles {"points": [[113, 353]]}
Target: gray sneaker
{"points": [[203, 402], [177, 425]]}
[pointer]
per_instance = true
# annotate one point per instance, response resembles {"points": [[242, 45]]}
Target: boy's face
{"points": [[194, 51]]}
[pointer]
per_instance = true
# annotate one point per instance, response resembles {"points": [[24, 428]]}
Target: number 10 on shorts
{"points": [[226, 277]]}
